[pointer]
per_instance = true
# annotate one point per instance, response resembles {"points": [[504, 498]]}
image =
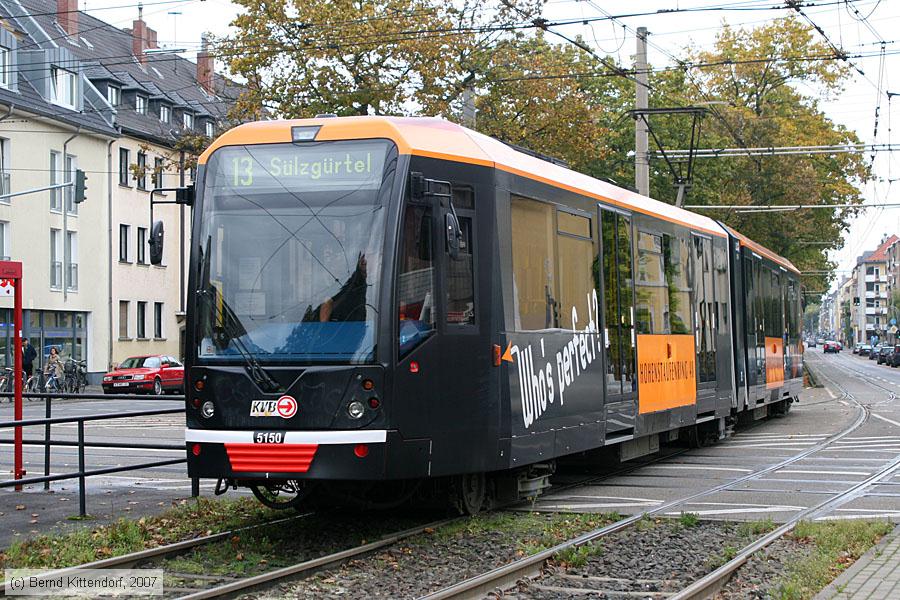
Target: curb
{"points": [[837, 586]]}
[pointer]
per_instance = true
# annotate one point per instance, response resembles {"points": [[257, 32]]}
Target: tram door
{"points": [[616, 288]]}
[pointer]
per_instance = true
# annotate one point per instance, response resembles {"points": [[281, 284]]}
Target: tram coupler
{"points": [[222, 486]]}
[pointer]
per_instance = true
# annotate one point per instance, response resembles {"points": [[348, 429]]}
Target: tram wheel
{"points": [[470, 493], [281, 495]]}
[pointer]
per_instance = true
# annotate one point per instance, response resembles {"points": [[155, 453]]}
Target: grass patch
{"points": [[577, 556], [834, 545], [188, 520], [756, 528], [689, 519]]}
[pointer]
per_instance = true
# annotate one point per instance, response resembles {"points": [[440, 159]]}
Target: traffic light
{"points": [[80, 187], [856, 301]]}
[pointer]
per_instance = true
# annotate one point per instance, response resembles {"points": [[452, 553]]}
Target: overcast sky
{"points": [[670, 32]]}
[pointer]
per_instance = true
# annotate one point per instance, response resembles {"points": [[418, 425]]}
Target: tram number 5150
{"points": [[268, 437]]}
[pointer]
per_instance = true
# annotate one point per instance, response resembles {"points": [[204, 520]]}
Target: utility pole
{"points": [[468, 109], [641, 102]]}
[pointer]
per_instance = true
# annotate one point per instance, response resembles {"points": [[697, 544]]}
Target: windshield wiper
{"points": [[231, 331]]}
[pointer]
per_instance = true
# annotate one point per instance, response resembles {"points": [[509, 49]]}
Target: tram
{"points": [[380, 306]]}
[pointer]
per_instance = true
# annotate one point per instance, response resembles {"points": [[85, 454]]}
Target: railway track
{"points": [[529, 572]]}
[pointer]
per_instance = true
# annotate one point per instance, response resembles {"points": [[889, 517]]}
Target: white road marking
{"points": [[886, 420], [737, 511], [700, 468], [801, 471]]}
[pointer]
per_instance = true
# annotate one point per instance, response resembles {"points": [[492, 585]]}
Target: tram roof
{"points": [[438, 138]]}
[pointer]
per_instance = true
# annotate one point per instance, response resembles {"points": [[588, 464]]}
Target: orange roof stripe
{"points": [[437, 138]]}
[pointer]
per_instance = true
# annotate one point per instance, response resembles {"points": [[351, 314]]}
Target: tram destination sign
{"points": [[357, 165]]}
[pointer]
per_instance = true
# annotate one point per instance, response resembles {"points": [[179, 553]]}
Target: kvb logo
{"points": [[285, 407]]}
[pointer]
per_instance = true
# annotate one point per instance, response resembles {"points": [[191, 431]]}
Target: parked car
{"points": [[840, 346], [820, 341], [865, 349], [874, 352], [895, 357], [884, 354], [149, 374], [831, 346], [856, 347], [810, 343]]}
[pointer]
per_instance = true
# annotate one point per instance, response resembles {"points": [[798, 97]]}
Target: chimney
{"points": [[205, 66], [67, 15], [139, 39], [151, 39]]}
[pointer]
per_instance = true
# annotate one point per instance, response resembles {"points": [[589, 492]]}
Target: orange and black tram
{"points": [[382, 308]]}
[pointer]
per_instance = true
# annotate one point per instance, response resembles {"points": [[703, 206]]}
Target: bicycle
{"points": [[35, 383], [75, 378], [7, 380], [52, 384]]}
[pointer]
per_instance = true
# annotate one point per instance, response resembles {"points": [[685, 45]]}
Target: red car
{"points": [[831, 346], [152, 374]]}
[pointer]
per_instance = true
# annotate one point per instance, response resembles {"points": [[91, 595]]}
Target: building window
{"points": [[157, 320], [210, 129], [142, 169], [4, 240], [142, 245], [165, 113], [188, 121], [114, 95], [62, 87], [71, 206], [55, 179], [140, 104], [72, 254], [123, 243], [4, 66], [158, 172], [124, 160], [123, 319], [141, 320], [55, 259]]}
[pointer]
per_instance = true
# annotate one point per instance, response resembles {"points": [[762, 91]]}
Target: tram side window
{"points": [[535, 304], [652, 297], [575, 260], [720, 261], [704, 290], [750, 297], [615, 236], [460, 276], [678, 279], [415, 281]]}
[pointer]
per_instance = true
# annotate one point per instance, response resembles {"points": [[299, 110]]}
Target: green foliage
{"points": [[756, 528], [577, 556], [835, 546], [689, 519], [188, 520]]}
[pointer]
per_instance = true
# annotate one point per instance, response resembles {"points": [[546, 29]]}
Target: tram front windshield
{"points": [[289, 251]]}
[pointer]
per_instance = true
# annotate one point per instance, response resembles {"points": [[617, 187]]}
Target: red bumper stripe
{"points": [[268, 458]]}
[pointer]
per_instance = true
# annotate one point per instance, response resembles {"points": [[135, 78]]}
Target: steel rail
{"points": [[507, 575], [165, 551], [712, 582], [309, 566]]}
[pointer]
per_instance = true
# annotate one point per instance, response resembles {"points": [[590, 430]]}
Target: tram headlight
{"points": [[356, 409], [208, 409]]}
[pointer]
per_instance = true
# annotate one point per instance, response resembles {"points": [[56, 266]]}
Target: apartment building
{"points": [[869, 309], [78, 93]]}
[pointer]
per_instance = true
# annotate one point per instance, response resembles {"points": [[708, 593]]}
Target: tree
{"points": [[356, 57]]}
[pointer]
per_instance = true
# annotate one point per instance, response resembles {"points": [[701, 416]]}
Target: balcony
{"points": [[72, 277], [876, 310], [881, 294], [876, 278], [56, 275]]}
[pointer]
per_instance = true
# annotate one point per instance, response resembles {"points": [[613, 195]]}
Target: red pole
{"points": [[17, 366]]}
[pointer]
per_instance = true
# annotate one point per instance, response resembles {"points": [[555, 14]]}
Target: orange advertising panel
{"points": [[774, 362], [667, 372]]}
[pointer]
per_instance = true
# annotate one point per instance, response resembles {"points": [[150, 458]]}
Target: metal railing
{"points": [[81, 443], [56, 274], [72, 276], [5, 186]]}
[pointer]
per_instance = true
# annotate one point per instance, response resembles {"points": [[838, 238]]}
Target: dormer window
{"points": [[62, 87], [188, 121], [210, 129], [114, 95], [4, 66], [140, 104], [165, 113]]}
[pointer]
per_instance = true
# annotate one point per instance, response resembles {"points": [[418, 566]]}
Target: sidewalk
{"points": [[875, 576]]}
